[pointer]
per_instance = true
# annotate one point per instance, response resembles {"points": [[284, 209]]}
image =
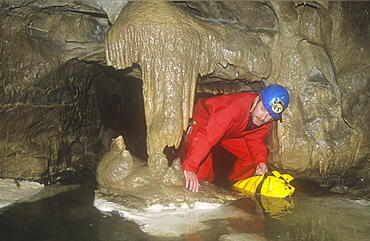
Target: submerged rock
{"points": [[339, 189], [126, 181], [14, 191], [170, 220], [241, 237], [155, 196]]}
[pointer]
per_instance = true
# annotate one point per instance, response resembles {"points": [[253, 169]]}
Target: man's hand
{"points": [[191, 181], [261, 169]]}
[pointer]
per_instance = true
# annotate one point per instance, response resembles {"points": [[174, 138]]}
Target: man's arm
{"points": [[212, 118], [258, 149]]}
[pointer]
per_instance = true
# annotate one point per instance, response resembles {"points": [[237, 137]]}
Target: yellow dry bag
{"points": [[272, 184]]}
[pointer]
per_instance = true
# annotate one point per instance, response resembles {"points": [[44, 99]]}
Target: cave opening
{"points": [[121, 105], [88, 104], [114, 106], [110, 103]]}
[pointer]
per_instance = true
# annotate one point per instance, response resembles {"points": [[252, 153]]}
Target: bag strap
{"points": [[287, 184], [259, 187], [278, 175], [258, 191]]}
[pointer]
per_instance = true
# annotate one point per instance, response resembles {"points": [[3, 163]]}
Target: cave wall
{"points": [[51, 118], [320, 137], [66, 68]]}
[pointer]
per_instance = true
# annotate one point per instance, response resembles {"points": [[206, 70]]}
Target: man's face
{"points": [[260, 115]]}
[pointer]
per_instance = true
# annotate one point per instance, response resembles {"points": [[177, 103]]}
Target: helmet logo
{"points": [[277, 107]]}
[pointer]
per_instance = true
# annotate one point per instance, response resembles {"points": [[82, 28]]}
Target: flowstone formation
{"points": [[125, 180], [172, 49]]}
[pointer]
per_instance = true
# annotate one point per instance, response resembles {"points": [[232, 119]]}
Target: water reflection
{"points": [[312, 216], [273, 207], [330, 217]]}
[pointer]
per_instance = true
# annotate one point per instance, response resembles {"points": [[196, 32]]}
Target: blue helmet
{"points": [[275, 99]]}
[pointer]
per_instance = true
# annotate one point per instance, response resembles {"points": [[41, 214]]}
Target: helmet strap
{"points": [[255, 102]]}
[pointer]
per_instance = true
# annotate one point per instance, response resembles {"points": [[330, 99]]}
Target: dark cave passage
{"points": [[120, 101], [72, 115]]}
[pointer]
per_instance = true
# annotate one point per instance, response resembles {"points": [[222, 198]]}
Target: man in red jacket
{"points": [[239, 122]]}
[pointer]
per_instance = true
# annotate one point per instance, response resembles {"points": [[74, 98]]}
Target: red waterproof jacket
{"points": [[225, 117]]}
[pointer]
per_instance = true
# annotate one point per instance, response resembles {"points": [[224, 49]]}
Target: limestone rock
{"points": [[241, 237], [339, 189], [138, 186], [115, 166], [188, 46], [162, 172], [66, 81]]}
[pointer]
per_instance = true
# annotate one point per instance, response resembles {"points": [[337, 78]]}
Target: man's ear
{"points": [[255, 102]]}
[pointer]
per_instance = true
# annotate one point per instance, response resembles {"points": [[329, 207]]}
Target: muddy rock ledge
{"points": [[127, 183]]}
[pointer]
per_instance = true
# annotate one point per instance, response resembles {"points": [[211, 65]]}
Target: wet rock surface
{"points": [[69, 83], [130, 184]]}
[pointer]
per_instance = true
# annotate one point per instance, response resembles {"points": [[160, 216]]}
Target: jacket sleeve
{"points": [[256, 144], [212, 118]]}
